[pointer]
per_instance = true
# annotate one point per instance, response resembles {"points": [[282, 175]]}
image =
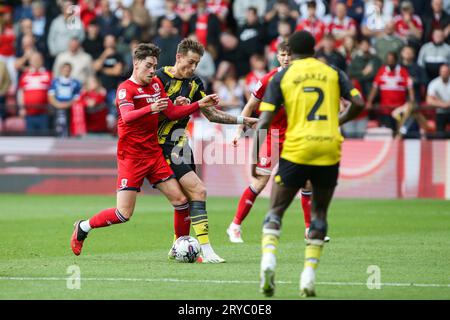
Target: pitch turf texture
{"points": [[408, 240]]}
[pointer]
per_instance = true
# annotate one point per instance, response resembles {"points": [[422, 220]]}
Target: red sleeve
{"points": [[376, 80], [260, 88], [179, 112], [125, 104]]}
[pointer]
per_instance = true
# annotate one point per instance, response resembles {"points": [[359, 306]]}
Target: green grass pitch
{"points": [[408, 241]]}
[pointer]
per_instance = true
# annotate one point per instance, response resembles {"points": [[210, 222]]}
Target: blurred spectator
{"points": [[89, 112], [364, 66], [64, 28], [206, 70], [80, 62], [32, 97], [167, 40], [109, 68], [7, 39], [240, 8], [258, 70], [27, 48], [229, 55], [41, 25], [107, 20], [438, 96], [281, 11], [221, 9], [330, 55], [341, 25], [63, 92], [417, 74], [206, 27], [129, 31], [171, 14], [23, 11], [93, 43], [230, 93], [348, 49], [375, 20], [433, 54], [128, 59], [89, 10], [5, 82], [387, 42], [303, 8], [25, 29], [408, 26], [312, 24], [284, 32], [185, 9], [438, 19], [395, 86], [251, 36], [355, 9], [142, 18]]}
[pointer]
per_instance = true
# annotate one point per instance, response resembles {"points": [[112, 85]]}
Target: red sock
{"points": [[306, 205], [181, 220], [106, 218], [245, 204]]}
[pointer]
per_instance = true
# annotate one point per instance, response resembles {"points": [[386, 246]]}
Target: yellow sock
{"points": [[201, 230], [269, 243], [312, 253]]}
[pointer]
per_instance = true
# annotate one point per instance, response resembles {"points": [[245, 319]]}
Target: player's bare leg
{"points": [[281, 198], [321, 199], [126, 200], [195, 190], [245, 205]]}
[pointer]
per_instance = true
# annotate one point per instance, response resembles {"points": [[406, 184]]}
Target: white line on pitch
{"points": [[326, 283]]}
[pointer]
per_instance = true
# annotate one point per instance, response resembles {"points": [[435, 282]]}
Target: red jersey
{"points": [[280, 121], [402, 28], [252, 79], [201, 28], [35, 85], [139, 139], [7, 39], [96, 116], [393, 85], [316, 28], [336, 27]]}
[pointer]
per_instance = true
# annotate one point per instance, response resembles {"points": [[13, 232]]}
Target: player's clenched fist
{"points": [[160, 105], [209, 101]]}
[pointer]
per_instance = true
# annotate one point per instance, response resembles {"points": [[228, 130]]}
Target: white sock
{"points": [[235, 226], [85, 226], [207, 249], [268, 261]]}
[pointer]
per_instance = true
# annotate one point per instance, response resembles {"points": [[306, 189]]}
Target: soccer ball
{"points": [[186, 249]]}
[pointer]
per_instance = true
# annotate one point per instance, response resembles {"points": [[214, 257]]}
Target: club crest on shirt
{"points": [[123, 183], [156, 87], [122, 94], [140, 90]]}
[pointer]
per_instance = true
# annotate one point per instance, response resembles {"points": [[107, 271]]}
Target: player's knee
{"points": [[198, 192], [126, 212], [259, 184], [272, 221], [178, 200]]}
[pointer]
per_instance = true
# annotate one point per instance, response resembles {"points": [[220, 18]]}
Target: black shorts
{"points": [[295, 175], [180, 159]]}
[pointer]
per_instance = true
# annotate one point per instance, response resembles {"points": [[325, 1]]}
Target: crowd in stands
{"points": [[61, 61]]}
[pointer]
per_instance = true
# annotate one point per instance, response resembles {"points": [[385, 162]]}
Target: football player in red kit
{"points": [[139, 100]]}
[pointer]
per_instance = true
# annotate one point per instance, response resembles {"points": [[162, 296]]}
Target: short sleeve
{"points": [[346, 86], [52, 89], [273, 98]]}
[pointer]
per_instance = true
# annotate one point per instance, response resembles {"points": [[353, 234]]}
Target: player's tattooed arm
{"points": [[218, 116]]}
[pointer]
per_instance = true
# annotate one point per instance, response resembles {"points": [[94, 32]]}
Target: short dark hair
{"points": [[144, 50], [394, 54], [284, 46], [302, 43], [66, 64], [311, 4], [187, 45]]}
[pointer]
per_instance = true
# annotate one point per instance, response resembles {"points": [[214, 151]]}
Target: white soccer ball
{"points": [[186, 249]]}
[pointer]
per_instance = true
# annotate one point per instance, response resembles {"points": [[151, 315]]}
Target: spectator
{"points": [[40, 26], [129, 31], [439, 19], [240, 8], [408, 26], [142, 18], [312, 24], [185, 10], [348, 49], [7, 39], [5, 82], [230, 93], [388, 42], [27, 48], [171, 14], [395, 85], [280, 12], [330, 55], [283, 8], [433, 54], [341, 26], [63, 92], [375, 20], [109, 68], [64, 28], [355, 9], [229, 55], [25, 29], [438, 96], [80, 62], [89, 112], [89, 10], [284, 32], [221, 9], [23, 11], [107, 20], [258, 70], [303, 8], [251, 35], [364, 66], [93, 44], [167, 40], [206, 27], [32, 98], [417, 74]]}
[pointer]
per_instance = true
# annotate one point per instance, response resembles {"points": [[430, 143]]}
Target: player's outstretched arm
{"points": [[174, 113], [251, 105]]}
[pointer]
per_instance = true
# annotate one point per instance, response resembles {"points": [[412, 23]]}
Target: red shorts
{"points": [[266, 162], [132, 172]]}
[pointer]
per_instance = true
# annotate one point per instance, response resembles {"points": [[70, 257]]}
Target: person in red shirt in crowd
{"points": [[7, 42], [140, 100], [408, 26], [221, 9], [312, 24], [185, 10], [258, 70], [32, 97], [395, 86], [341, 25], [89, 10]]}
